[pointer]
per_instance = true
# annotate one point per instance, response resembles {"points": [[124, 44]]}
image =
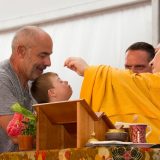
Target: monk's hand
{"points": [[76, 64]]}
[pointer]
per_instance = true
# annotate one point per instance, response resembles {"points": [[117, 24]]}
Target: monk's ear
{"points": [[21, 50], [51, 92]]}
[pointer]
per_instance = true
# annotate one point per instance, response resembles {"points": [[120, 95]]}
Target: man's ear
{"points": [[21, 50], [51, 92]]}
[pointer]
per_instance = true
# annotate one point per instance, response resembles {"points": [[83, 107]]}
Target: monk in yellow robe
{"points": [[122, 94]]}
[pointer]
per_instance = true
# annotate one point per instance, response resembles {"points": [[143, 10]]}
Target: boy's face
{"points": [[61, 89]]}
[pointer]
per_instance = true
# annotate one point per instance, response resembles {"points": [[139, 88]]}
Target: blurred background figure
{"points": [[138, 56]]}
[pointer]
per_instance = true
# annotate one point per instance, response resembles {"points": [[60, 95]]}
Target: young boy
{"points": [[50, 88]]}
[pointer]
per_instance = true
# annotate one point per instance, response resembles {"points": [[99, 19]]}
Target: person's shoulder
{"points": [[4, 65], [151, 75], [152, 79], [120, 71], [5, 70]]}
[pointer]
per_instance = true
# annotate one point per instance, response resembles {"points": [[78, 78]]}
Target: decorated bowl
{"points": [[116, 135]]}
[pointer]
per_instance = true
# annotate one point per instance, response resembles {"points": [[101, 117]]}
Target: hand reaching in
{"points": [[76, 64]]}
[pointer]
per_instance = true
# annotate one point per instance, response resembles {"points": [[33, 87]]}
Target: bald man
{"points": [[31, 50]]}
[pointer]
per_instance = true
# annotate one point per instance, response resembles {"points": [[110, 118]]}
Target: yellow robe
{"points": [[122, 94]]}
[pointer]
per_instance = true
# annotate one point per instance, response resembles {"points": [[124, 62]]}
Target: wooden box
{"points": [[68, 124]]}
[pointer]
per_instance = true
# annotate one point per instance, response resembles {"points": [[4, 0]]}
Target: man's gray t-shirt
{"points": [[11, 92]]}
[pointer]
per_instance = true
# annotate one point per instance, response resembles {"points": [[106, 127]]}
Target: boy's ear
{"points": [[51, 92]]}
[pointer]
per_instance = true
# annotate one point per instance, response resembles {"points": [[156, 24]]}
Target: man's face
{"points": [[137, 61], [37, 58], [155, 63], [62, 89]]}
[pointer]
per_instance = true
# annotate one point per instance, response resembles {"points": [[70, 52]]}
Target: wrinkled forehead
{"points": [[158, 46], [156, 57], [158, 53]]}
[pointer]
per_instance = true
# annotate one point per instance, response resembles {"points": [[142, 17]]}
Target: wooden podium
{"points": [[68, 124]]}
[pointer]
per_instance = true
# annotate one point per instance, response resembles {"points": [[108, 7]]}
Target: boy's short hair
{"points": [[41, 85]]}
